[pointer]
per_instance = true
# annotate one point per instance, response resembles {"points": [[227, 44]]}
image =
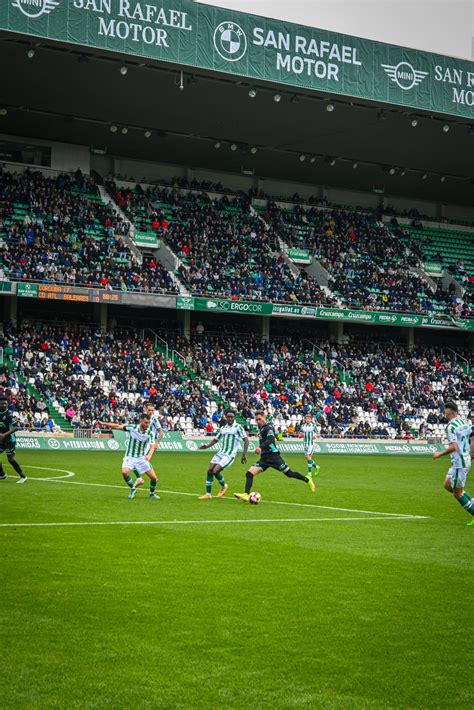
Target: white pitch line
{"points": [[268, 502], [191, 522]]}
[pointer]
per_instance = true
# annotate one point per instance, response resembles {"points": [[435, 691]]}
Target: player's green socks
{"points": [[153, 486], [221, 480], [467, 502], [310, 468], [128, 480], [209, 482]]}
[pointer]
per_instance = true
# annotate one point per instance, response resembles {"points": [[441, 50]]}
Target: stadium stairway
{"points": [[59, 419]]}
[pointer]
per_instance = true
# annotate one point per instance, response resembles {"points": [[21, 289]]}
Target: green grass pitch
{"points": [[305, 601]]}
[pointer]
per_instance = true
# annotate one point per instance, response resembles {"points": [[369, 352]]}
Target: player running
{"points": [[156, 426], [8, 440], [270, 457], [142, 436], [458, 432], [308, 431], [229, 438]]}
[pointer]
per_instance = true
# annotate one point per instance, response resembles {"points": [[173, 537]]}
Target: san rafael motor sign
{"points": [[211, 38]]}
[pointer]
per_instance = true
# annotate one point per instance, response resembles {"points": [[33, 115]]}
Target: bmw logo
{"points": [[230, 41]]}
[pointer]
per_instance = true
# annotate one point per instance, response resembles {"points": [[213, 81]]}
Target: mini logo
{"points": [[113, 445], [211, 304], [230, 41], [404, 75], [191, 446], [35, 8], [54, 444]]}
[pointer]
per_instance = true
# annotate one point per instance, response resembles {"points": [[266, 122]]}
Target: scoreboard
{"points": [[63, 292]]}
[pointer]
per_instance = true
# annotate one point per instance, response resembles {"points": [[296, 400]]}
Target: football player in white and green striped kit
{"points": [[308, 432], [458, 433], [158, 431], [141, 438], [229, 438]]}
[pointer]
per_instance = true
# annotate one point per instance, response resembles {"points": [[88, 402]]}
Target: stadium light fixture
{"points": [[113, 129], [3, 111], [331, 161], [442, 178], [277, 98], [294, 99], [123, 70], [313, 159], [446, 128], [330, 107], [403, 173], [252, 92], [302, 158], [147, 134], [30, 53], [424, 176], [414, 122], [124, 131], [233, 147], [392, 171], [355, 165], [253, 150], [217, 145]]}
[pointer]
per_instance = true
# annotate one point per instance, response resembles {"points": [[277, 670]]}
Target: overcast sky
{"points": [[444, 26]]}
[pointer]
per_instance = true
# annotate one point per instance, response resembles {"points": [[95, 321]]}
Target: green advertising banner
{"points": [[223, 305], [174, 441], [300, 256], [6, 287], [220, 305], [146, 239], [27, 290], [219, 40]]}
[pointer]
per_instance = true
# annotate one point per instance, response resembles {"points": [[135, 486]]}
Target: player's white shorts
{"points": [[309, 450], [458, 476], [136, 463], [222, 460]]}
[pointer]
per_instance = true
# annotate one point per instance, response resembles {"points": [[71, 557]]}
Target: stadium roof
{"points": [[66, 94]]}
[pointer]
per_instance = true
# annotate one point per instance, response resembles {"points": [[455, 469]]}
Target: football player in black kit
{"points": [[270, 457], [8, 440]]}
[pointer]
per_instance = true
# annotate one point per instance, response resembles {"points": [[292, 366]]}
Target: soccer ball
{"points": [[255, 498]]}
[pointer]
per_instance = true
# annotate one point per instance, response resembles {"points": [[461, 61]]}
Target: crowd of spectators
{"points": [[57, 229], [225, 249], [352, 390], [370, 265]]}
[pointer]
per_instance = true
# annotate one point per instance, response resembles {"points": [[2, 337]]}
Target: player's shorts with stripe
{"points": [[8, 447], [136, 463], [458, 476], [222, 460], [309, 450], [272, 461]]}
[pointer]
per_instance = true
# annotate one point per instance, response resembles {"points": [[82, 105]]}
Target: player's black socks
{"points": [[2, 472], [295, 474], [248, 482], [18, 469]]}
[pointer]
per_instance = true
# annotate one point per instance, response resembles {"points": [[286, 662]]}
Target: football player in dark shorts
{"points": [[8, 440], [270, 457]]}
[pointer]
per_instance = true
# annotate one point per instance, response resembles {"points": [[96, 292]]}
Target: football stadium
{"points": [[236, 355]]}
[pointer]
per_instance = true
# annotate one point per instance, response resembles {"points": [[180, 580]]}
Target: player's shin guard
{"points": [[128, 480], [295, 474], [467, 502], [209, 482], [18, 469], [248, 482], [310, 467], [220, 479]]}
